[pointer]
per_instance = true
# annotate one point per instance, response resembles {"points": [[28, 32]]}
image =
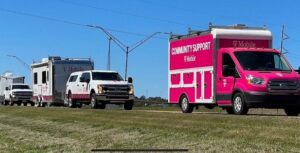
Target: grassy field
{"points": [[27, 129]]}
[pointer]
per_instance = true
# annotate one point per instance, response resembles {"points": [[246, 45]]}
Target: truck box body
{"points": [[193, 60], [50, 77]]}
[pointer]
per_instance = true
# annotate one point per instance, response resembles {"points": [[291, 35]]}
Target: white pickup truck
{"points": [[99, 88], [18, 93]]}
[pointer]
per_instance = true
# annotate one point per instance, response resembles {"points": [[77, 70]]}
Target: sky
{"points": [[34, 29]]}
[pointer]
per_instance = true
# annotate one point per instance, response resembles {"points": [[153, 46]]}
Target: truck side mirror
{"points": [[299, 70], [7, 88], [130, 80]]}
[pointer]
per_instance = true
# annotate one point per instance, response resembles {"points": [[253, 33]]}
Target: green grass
{"points": [[27, 129]]}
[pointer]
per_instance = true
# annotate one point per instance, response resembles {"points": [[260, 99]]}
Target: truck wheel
{"points": [[6, 102], [11, 103], [239, 105], [102, 105], [291, 111], [71, 102], [32, 103], [25, 104], [185, 106], [94, 104], [128, 105]]}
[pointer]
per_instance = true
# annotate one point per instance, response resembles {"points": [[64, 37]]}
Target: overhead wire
{"points": [[70, 22]]}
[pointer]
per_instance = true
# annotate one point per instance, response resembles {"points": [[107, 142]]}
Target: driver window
{"points": [[228, 65]]}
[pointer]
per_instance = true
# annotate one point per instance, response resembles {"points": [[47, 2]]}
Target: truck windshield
{"points": [[107, 76], [20, 87], [262, 61]]}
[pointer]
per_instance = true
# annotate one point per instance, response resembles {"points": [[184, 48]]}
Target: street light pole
{"points": [[124, 47], [126, 64]]}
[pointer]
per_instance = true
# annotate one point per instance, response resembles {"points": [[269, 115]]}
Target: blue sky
{"points": [[32, 38]]}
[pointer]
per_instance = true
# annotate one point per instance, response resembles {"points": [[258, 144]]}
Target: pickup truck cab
{"points": [[98, 88], [17, 94]]}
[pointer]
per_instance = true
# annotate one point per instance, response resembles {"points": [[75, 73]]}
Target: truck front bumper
{"points": [[21, 98], [114, 98], [272, 100]]}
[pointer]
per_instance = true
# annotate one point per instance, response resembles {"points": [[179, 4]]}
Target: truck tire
{"points": [[32, 103], [102, 105], [239, 104], [128, 105], [6, 102], [185, 105], [71, 102], [292, 111], [11, 102], [94, 104]]}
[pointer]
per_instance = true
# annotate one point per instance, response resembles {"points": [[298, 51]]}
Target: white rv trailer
{"points": [[49, 78]]}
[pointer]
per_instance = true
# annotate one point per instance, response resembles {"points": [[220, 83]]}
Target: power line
{"points": [[128, 14], [71, 22]]}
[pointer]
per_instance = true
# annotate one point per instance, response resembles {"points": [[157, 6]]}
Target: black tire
{"points": [[185, 106], [128, 105], [291, 111], [6, 102], [79, 105], [25, 104], [229, 110], [101, 105], [94, 103], [239, 104], [71, 102], [32, 104], [11, 102]]}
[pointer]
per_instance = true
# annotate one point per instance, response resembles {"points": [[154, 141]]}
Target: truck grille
{"points": [[23, 93], [282, 85], [116, 88], [116, 91]]}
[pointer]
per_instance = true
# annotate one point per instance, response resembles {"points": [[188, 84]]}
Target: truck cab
{"points": [[18, 93], [257, 77], [99, 88], [233, 67]]}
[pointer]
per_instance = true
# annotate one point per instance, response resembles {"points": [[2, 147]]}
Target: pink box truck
{"points": [[233, 67]]}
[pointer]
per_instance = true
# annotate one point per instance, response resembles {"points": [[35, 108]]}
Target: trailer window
{"points": [[44, 77], [35, 78], [73, 78]]}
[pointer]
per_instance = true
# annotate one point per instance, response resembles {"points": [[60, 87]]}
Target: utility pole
{"points": [[284, 37], [124, 47]]}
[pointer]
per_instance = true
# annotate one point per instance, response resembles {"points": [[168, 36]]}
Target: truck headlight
{"points": [[131, 90], [254, 80], [100, 89]]}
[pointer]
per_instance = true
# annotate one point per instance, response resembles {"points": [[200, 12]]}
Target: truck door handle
{"points": [[205, 85]]}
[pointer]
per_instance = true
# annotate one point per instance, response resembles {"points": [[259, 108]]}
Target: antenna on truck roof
{"points": [[237, 26]]}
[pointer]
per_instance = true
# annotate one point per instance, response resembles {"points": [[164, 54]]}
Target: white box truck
{"points": [[50, 77], [14, 91]]}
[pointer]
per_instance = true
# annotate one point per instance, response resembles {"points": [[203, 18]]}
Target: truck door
{"points": [[225, 78], [84, 83]]}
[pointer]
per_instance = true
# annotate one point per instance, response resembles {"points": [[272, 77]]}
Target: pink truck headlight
{"points": [[255, 80]]}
